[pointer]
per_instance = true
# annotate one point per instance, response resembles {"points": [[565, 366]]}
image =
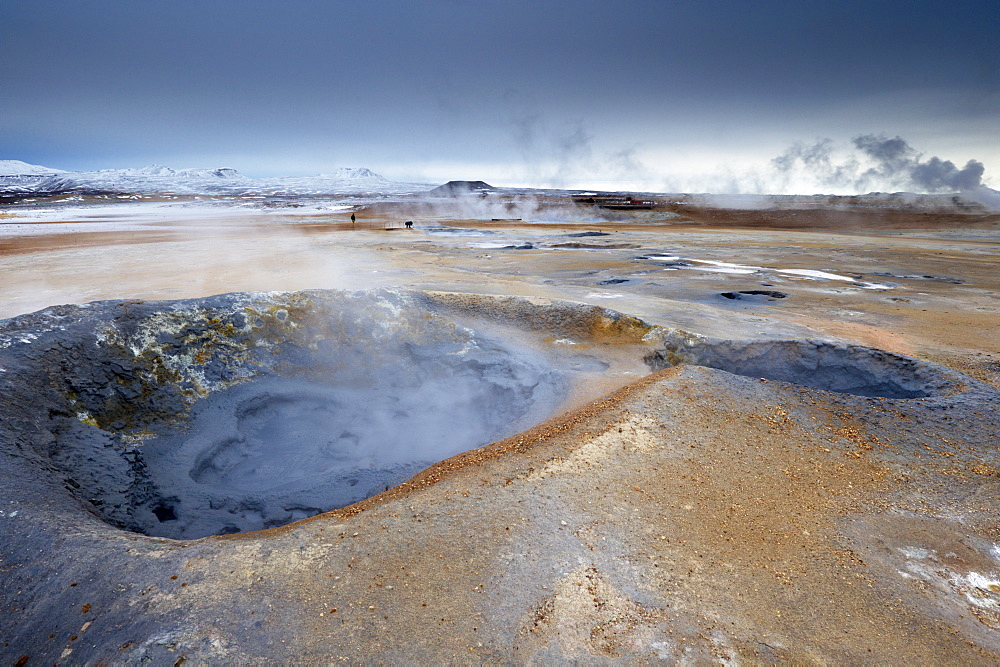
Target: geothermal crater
{"points": [[246, 411]]}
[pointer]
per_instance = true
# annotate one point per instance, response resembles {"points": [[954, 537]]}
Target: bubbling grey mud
{"points": [[247, 411]]}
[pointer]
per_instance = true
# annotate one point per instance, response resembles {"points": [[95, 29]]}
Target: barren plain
{"points": [[691, 514]]}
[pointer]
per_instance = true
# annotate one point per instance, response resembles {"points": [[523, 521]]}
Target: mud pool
{"points": [[277, 449], [249, 411], [839, 368]]}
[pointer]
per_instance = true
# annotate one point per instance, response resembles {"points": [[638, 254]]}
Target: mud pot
{"points": [[247, 411]]}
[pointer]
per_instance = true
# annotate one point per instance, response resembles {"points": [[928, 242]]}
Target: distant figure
{"points": [[352, 219], [409, 224]]}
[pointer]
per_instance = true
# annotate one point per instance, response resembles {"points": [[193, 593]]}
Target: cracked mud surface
{"points": [[697, 514]]}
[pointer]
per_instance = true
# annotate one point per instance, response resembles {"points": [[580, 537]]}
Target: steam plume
{"points": [[560, 153], [878, 163]]}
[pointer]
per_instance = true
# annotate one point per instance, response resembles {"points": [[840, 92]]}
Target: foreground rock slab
{"points": [[717, 509]]}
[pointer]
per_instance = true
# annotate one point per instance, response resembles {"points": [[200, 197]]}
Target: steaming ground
{"points": [[921, 254], [765, 501]]}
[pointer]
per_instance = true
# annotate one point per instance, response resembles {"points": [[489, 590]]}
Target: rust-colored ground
{"points": [[693, 516]]}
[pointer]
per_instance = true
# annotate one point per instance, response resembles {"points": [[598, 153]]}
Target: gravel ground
{"points": [[695, 514]]}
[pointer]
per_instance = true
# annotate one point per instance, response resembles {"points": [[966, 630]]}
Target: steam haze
{"points": [[774, 96]]}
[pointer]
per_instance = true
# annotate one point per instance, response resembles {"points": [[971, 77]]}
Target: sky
{"points": [[833, 96]]}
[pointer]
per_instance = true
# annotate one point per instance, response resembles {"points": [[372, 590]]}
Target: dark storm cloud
{"points": [[894, 164], [288, 86]]}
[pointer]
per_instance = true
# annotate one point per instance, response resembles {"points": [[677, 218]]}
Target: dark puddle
{"points": [[754, 295]]}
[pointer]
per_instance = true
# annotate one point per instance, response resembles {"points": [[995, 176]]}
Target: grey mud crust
{"points": [[839, 368]]}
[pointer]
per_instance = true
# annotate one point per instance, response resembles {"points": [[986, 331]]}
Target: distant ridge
{"points": [[350, 173], [455, 188], [23, 179], [18, 168]]}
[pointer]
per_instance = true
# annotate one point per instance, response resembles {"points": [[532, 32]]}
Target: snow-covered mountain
{"points": [[350, 173], [148, 180], [346, 180], [18, 168], [17, 176]]}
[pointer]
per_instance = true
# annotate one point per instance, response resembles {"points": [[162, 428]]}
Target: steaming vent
{"points": [[246, 411], [845, 369]]}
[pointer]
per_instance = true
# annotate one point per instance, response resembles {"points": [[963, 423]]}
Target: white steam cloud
{"points": [[507, 207], [563, 153]]}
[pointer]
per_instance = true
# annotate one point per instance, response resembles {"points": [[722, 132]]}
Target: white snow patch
{"points": [[727, 269], [715, 266], [495, 245], [727, 265], [810, 273]]}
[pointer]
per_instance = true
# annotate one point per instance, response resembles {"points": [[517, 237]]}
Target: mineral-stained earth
{"points": [[503, 440]]}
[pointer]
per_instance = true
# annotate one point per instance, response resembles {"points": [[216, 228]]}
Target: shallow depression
{"points": [[840, 368]]}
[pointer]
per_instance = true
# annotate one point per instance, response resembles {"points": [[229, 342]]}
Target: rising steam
{"points": [[876, 162], [561, 153]]}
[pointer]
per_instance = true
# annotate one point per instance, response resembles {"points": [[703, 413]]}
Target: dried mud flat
{"points": [[700, 513]]}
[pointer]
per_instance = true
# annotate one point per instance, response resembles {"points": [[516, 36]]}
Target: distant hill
{"points": [[18, 168], [351, 174], [26, 179], [455, 188]]}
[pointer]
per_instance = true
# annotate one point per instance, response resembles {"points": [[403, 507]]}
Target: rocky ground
{"points": [[695, 514]]}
